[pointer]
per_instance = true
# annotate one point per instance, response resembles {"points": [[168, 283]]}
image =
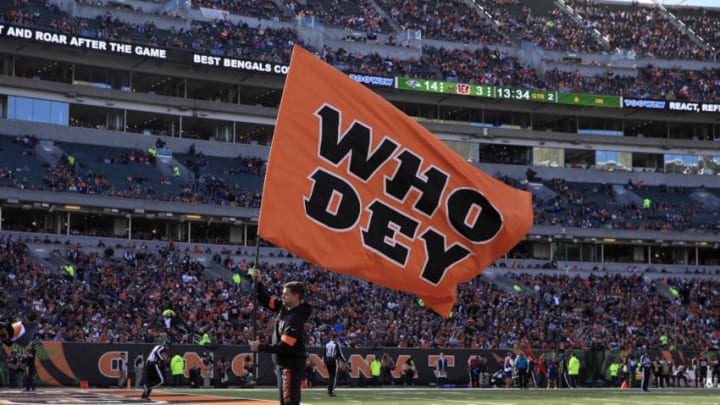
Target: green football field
{"points": [[496, 396]]}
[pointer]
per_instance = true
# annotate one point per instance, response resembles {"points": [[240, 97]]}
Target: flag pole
{"points": [[255, 297]]}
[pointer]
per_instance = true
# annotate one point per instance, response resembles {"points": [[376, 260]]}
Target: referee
{"points": [[156, 362], [333, 354], [646, 365]]}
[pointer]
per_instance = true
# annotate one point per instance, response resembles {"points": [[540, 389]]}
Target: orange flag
{"points": [[357, 187]]}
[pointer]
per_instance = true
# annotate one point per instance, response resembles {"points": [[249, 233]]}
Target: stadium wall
{"points": [[576, 175], [102, 137], [67, 364]]}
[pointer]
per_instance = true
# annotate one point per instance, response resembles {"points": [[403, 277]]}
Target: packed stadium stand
{"points": [[576, 307], [239, 39], [623, 172]]}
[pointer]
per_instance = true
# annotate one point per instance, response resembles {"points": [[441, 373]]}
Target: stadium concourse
{"points": [[129, 173]]}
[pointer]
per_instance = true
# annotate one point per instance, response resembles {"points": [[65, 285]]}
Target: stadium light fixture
{"points": [[193, 216], [73, 207], [609, 240]]}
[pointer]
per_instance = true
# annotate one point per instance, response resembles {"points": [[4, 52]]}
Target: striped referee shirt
{"points": [[333, 351]]}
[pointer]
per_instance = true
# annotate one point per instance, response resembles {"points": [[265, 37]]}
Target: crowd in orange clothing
{"points": [[116, 297]]}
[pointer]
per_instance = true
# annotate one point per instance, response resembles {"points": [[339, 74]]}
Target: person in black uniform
{"points": [[700, 364], [30, 368], [14, 365], [333, 354], [288, 340], [646, 365], [154, 365]]}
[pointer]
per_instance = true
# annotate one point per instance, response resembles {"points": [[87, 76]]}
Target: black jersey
{"points": [[288, 340]]}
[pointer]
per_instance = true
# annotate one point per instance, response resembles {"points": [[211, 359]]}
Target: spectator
{"points": [[409, 368], [177, 368], [573, 366], [522, 367], [122, 367]]}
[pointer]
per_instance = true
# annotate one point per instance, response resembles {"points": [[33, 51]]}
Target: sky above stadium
{"points": [[670, 3]]}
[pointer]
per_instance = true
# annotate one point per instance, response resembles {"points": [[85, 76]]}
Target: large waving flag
{"points": [[357, 187]]}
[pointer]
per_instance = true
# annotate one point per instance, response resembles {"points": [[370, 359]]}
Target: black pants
{"points": [[566, 378], [289, 381], [30, 372], [13, 378], [522, 377], [177, 380], [387, 377], [474, 379], [154, 378], [645, 378], [332, 366]]}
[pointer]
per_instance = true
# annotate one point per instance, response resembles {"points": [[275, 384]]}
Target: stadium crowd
{"points": [[121, 296], [704, 22], [646, 31], [207, 185], [553, 31], [596, 206], [450, 20], [359, 16]]}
